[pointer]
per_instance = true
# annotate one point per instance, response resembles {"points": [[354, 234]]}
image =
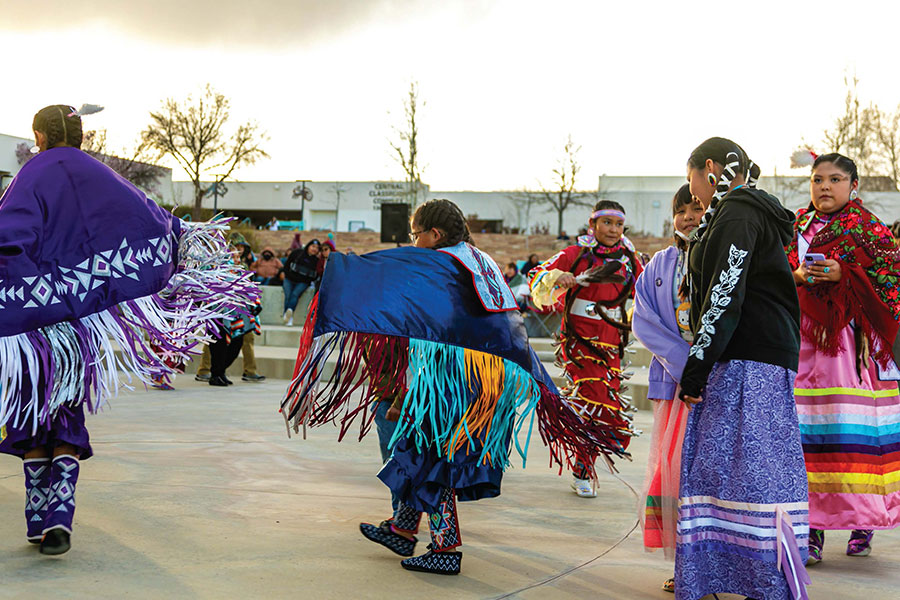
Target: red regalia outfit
{"points": [[593, 336]]}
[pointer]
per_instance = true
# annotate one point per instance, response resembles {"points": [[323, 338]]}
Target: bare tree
{"points": [[338, 189], [406, 149], [870, 136], [522, 202], [135, 166], [854, 134], [193, 133], [562, 194], [886, 129]]}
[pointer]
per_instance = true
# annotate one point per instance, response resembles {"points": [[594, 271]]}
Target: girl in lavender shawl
{"points": [[97, 282], [662, 323]]}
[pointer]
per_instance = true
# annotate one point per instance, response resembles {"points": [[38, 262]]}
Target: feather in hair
{"points": [[86, 109]]}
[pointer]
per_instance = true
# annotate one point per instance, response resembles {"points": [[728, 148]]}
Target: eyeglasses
{"points": [[414, 235]]}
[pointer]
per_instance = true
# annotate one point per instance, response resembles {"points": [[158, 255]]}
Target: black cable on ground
{"points": [[584, 564]]}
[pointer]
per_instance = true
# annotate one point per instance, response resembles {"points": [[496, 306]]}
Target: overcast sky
{"points": [[636, 84]]}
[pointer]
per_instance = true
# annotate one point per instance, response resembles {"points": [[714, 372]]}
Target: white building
{"points": [[355, 205]]}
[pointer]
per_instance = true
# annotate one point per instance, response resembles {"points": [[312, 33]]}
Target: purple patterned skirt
{"points": [[67, 427], [743, 517]]}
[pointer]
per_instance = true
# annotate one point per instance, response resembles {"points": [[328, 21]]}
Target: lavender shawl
{"points": [[654, 324]]}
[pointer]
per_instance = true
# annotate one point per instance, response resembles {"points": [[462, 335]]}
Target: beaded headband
{"points": [[608, 212]]}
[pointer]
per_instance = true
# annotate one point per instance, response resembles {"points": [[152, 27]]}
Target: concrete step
{"points": [[278, 363], [637, 385], [289, 337]]}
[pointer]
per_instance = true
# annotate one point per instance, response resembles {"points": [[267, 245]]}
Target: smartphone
{"points": [[812, 257]]}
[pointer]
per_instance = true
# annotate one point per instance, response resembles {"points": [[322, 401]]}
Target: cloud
{"points": [[257, 23]]}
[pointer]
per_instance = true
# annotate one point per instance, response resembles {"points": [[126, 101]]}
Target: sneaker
{"points": [[218, 381], [253, 378], [584, 488], [384, 535], [860, 543], [439, 563], [816, 543], [288, 317], [228, 381], [162, 385], [203, 377], [669, 585]]}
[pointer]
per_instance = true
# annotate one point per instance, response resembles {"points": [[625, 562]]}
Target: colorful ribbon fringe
{"points": [[456, 399]]}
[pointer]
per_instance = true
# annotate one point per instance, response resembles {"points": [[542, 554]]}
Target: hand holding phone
{"points": [[812, 257]]}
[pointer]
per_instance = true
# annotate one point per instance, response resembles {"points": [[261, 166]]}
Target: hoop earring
{"points": [[712, 179], [853, 195]]}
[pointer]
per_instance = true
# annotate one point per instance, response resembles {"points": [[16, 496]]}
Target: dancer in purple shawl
{"points": [[88, 264]]}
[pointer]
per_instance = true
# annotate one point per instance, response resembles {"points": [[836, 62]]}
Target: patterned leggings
{"points": [[444, 524]]}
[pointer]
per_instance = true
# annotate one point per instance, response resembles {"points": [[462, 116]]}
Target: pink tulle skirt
{"points": [[658, 508]]}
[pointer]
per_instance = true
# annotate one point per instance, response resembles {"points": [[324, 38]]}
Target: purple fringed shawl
{"points": [[97, 280], [76, 239]]}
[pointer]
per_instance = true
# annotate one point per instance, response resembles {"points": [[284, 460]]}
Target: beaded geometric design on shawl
{"points": [[76, 281]]}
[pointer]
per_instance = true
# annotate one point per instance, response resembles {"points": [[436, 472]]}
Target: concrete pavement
{"points": [[199, 493]]}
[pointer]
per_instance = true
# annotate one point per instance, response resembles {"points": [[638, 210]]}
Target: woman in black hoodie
{"points": [[743, 519]]}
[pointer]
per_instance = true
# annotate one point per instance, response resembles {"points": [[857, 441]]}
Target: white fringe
{"points": [[206, 291]]}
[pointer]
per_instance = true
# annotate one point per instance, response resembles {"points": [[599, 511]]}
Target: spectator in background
{"points": [[266, 268], [296, 243], [563, 236], [299, 273], [273, 224], [531, 263], [245, 257], [325, 250], [518, 284]]}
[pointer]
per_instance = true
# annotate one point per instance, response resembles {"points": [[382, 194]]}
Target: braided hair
{"points": [[735, 161], [446, 216], [60, 124]]}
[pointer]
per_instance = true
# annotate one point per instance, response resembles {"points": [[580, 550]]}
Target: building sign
{"points": [[388, 192]]}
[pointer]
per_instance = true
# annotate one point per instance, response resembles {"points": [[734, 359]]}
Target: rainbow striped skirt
{"points": [[850, 426]]}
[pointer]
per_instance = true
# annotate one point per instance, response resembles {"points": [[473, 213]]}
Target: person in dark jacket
{"points": [[299, 274], [742, 460]]}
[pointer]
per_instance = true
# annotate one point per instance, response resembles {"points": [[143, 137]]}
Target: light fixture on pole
{"points": [[216, 189], [305, 194]]}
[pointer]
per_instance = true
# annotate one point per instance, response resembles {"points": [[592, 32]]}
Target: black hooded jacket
{"points": [[744, 302]]}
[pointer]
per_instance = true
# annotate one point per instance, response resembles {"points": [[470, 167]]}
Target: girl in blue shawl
{"points": [[441, 329]]}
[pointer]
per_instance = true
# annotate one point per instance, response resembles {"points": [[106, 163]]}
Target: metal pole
{"points": [[303, 208], [337, 211]]}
